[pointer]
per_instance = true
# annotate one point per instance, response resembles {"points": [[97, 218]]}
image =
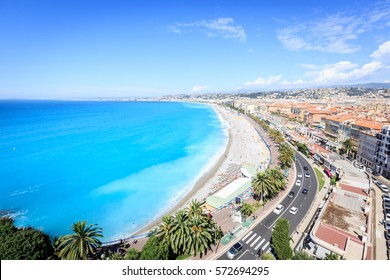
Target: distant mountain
{"points": [[368, 85]]}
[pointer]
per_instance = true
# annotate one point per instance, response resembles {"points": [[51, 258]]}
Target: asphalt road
{"points": [[260, 236]]}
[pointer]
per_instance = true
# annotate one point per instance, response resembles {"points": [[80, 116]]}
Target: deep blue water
{"points": [[117, 164]]}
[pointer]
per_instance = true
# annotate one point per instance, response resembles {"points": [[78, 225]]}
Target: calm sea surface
{"points": [[117, 164]]}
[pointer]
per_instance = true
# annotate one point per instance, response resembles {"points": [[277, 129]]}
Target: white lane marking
{"points": [[246, 236], [258, 245], [254, 242], [265, 246], [243, 254], [253, 236]]}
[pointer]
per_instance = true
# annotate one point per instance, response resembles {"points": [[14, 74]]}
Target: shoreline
{"points": [[199, 183], [243, 145]]}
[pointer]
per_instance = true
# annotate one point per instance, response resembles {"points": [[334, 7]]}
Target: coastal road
{"points": [[260, 236]]}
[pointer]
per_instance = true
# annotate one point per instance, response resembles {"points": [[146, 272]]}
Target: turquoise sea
{"points": [[115, 164]]}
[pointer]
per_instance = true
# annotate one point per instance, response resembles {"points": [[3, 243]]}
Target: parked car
{"points": [[298, 182], [293, 210], [299, 175], [291, 194], [375, 173], [387, 225], [234, 251], [305, 191], [278, 209], [307, 175], [383, 187], [375, 181], [369, 170], [387, 234], [385, 195], [385, 199], [387, 217]]}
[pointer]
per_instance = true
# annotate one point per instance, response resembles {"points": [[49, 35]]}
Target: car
{"points": [[305, 168], [299, 175], [383, 188], [307, 175], [387, 225], [387, 217], [385, 199], [375, 173], [369, 170], [305, 191], [278, 209], [387, 234], [293, 210], [298, 182], [375, 181], [234, 251], [386, 204], [385, 195], [291, 194]]}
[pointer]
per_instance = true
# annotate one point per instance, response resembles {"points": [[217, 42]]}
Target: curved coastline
{"points": [[246, 148], [195, 189]]}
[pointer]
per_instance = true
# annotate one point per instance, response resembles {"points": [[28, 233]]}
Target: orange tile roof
{"points": [[369, 124]]}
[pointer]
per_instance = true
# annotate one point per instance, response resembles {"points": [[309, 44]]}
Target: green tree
{"points": [[201, 236], [246, 209], [262, 185], [156, 248], [333, 181], [132, 254], [23, 243], [301, 255], [82, 243], [277, 178], [164, 230], [281, 239], [180, 232], [268, 257], [331, 256], [348, 145], [286, 155]]}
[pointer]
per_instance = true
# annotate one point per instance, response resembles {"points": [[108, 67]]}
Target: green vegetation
{"points": [[190, 231], [348, 146], [286, 155], [183, 257], [303, 149], [300, 255], [256, 205], [281, 240], [156, 248], [23, 243], [132, 254], [246, 209], [82, 243], [320, 178], [332, 257], [268, 183], [268, 257]]}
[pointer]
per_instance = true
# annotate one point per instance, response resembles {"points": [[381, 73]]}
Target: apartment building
{"points": [[367, 149], [383, 152]]}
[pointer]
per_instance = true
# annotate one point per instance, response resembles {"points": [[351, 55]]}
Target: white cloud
{"points": [[334, 33], [220, 27], [343, 72], [199, 88], [262, 82]]}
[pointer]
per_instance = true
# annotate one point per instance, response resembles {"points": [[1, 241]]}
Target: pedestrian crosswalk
{"points": [[256, 241]]}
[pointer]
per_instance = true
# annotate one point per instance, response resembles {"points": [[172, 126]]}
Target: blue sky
{"points": [[61, 49]]}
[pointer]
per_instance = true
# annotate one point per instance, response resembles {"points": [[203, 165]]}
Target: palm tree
{"points": [[277, 178], [82, 243], [201, 236], [180, 232], [286, 155], [164, 229], [262, 185], [195, 208]]}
